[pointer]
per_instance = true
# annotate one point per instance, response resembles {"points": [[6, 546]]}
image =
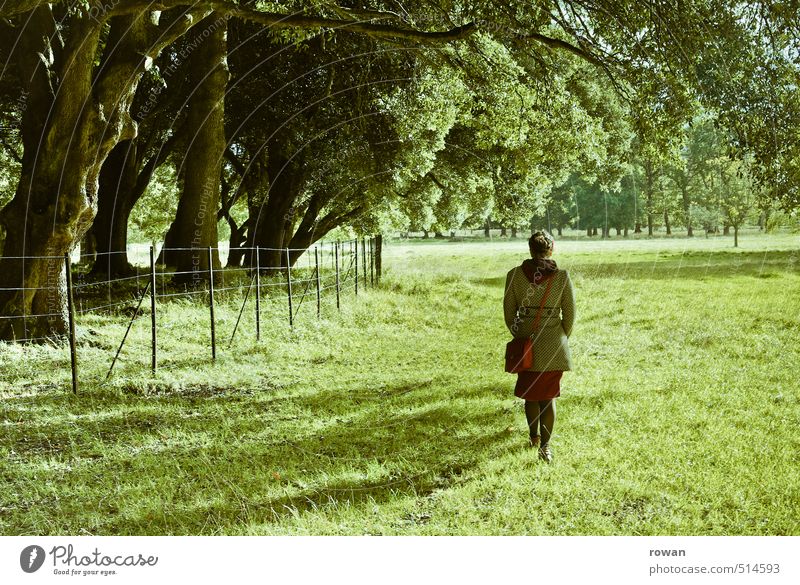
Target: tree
{"points": [[195, 224], [80, 64], [81, 78], [736, 195]]}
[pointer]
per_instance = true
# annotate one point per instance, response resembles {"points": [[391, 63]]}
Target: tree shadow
{"points": [[324, 460]]}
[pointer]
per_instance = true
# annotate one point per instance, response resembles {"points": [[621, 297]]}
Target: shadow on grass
{"points": [[290, 456]]}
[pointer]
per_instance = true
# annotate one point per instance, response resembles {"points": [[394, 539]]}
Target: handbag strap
{"points": [[541, 305]]}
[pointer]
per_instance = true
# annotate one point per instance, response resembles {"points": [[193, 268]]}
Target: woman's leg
{"points": [[547, 419], [532, 414]]}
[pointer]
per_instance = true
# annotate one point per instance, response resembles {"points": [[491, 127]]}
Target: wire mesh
{"points": [[116, 303]]}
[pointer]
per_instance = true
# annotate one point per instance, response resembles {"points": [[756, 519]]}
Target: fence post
{"points": [[378, 252], [319, 292], [73, 356], [371, 262], [356, 264], [258, 296], [364, 259], [153, 346], [289, 288], [211, 303], [336, 257]]}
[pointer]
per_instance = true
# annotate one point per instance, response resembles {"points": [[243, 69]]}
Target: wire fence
{"points": [[245, 299]]}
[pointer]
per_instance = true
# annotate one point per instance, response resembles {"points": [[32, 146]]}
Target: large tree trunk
{"points": [[195, 224], [88, 249], [236, 242], [116, 197], [124, 178], [315, 226], [67, 131], [77, 111], [666, 223], [272, 214]]}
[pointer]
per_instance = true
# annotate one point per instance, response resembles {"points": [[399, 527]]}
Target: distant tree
{"points": [[736, 195]]}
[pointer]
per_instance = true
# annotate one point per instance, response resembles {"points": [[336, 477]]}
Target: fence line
{"points": [[331, 275]]}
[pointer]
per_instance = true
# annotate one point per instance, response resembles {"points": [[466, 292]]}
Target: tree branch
{"points": [[555, 43], [285, 21], [11, 150], [436, 181], [234, 160]]}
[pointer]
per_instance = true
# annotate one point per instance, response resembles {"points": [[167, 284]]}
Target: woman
{"points": [[541, 384]]}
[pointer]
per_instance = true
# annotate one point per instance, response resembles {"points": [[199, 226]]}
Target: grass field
{"points": [[395, 417]]}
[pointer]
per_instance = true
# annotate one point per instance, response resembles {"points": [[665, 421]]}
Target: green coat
{"points": [[520, 302]]}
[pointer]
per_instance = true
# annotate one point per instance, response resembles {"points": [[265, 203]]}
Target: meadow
{"points": [[394, 416]]}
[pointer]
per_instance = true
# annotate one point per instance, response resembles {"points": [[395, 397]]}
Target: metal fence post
{"points": [[371, 262], [378, 254], [258, 296], [211, 303], [153, 363], [73, 355], [364, 259], [336, 249], [289, 288], [319, 292]]}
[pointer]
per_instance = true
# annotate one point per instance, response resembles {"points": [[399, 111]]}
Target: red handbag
{"points": [[519, 351]]}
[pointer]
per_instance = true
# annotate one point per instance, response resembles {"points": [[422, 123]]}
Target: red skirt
{"points": [[538, 385]]}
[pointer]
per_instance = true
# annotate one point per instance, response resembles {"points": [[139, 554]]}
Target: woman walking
{"points": [[526, 285]]}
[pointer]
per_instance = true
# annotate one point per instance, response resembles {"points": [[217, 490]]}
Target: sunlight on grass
{"points": [[394, 416]]}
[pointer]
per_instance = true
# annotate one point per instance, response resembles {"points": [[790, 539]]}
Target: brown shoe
{"points": [[545, 453], [533, 442]]}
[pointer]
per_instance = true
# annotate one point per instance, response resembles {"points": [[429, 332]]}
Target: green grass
{"points": [[395, 417]]}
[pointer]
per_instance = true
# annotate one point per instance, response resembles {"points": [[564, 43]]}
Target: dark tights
{"points": [[542, 414]]}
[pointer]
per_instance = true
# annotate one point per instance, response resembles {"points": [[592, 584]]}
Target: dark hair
{"points": [[540, 244]]}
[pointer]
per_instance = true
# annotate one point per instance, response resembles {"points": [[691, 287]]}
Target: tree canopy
{"points": [[288, 120]]}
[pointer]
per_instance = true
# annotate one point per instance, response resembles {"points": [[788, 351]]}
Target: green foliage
{"points": [[155, 210], [9, 175]]}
